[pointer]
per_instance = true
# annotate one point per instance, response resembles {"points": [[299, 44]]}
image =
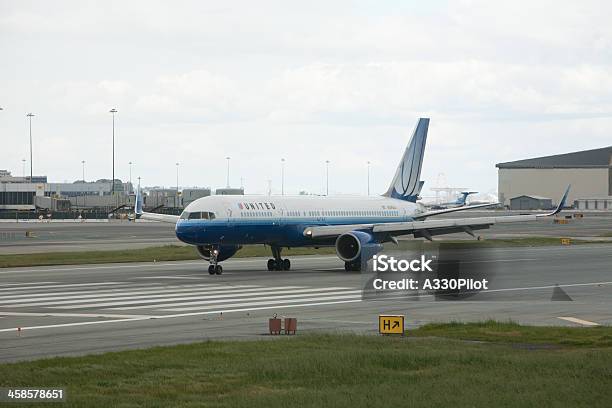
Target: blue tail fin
{"points": [[421, 183], [406, 184], [138, 203], [464, 196]]}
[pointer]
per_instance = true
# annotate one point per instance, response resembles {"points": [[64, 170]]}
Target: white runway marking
{"points": [[93, 292], [569, 285], [249, 302], [39, 301], [196, 297], [282, 295], [269, 301], [173, 316], [165, 297], [17, 284], [24, 288], [501, 260], [178, 277], [579, 321], [89, 315]]}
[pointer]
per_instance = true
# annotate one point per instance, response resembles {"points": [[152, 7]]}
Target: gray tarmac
{"points": [[82, 309], [86, 236], [56, 237]]}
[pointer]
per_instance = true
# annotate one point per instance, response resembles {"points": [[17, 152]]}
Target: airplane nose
{"points": [[185, 232]]}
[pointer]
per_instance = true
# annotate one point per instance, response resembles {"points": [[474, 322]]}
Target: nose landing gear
{"points": [[277, 263], [214, 268]]}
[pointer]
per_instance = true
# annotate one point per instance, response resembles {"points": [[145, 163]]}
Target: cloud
{"points": [[193, 96], [345, 81], [395, 91]]}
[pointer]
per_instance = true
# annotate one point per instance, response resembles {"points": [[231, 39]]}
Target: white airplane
{"points": [[461, 201], [218, 226]]}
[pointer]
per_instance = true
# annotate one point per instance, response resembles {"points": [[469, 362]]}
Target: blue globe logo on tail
{"points": [[406, 184]]}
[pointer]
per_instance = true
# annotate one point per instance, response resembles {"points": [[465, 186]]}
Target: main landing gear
{"points": [[354, 266], [214, 268], [277, 263]]}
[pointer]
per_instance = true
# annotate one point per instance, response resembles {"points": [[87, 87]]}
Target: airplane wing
{"points": [[428, 228], [140, 214], [158, 217], [454, 209]]}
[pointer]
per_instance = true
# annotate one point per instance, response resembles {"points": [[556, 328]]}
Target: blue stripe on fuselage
{"points": [[281, 232]]}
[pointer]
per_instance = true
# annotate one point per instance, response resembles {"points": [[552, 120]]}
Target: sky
{"points": [[195, 82]]}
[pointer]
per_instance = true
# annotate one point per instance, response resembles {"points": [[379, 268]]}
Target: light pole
{"points": [[23, 161], [30, 115], [130, 163], [326, 177], [228, 163], [83, 174], [368, 177], [177, 189], [113, 111], [283, 176]]}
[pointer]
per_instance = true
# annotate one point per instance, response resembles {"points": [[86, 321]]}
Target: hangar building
{"points": [[526, 202], [589, 172]]}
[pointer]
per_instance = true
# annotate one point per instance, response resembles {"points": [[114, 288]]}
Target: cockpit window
{"points": [[197, 215]]}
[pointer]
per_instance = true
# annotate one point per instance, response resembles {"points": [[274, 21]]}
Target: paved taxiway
{"points": [[69, 310], [55, 237], [86, 236]]}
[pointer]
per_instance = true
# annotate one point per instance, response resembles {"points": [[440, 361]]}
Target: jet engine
{"points": [[351, 245], [225, 251]]}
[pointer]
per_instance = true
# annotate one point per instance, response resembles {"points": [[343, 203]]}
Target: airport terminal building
{"points": [[19, 194], [589, 172]]}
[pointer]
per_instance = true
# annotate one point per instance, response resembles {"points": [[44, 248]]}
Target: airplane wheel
{"points": [[271, 264], [286, 264], [219, 270], [211, 269], [347, 266]]}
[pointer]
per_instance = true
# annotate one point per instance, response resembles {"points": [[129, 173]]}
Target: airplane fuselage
{"points": [[281, 220]]}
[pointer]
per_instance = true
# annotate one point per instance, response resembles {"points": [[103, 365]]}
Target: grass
{"points": [[515, 242], [182, 252], [151, 254], [345, 371], [510, 332]]}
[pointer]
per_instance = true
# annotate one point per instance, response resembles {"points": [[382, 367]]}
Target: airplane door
{"points": [[230, 218], [280, 216], [320, 216]]}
